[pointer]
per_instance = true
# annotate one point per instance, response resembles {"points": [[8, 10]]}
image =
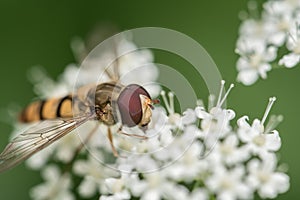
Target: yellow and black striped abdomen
{"points": [[47, 109]]}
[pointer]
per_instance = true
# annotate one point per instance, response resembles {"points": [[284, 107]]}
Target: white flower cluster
{"points": [[194, 155], [268, 41], [208, 158]]}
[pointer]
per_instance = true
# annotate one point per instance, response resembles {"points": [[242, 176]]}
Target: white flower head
{"points": [[229, 152], [215, 124], [229, 184], [117, 188], [156, 186], [260, 36], [199, 193], [265, 179], [278, 17], [252, 28], [189, 160], [56, 186], [293, 44], [258, 139], [255, 60], [94, 174]]}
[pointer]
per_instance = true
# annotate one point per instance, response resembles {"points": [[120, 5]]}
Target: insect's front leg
{"points": [[97, 111], [110, 138], [120, 131]]}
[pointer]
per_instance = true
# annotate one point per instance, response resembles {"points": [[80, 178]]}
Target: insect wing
{"points": [[37, 138]]}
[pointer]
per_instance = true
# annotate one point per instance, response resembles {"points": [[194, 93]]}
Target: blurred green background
{"points": [[39, 33]]}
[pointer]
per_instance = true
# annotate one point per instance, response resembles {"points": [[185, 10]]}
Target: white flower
{"points": [[112, 197], [254, 60], [94, 174], [276, 27], [117, 188], [199, 194], [174, 143], [66, 148], [252, 28], [265, 179], [293, 44], [257, 139], [156, 186], [56, 186], [278, 17], [46, 87], [191, 160], [189, 117], [228, 151], [229, 184], [290, 60], [215, 124]]}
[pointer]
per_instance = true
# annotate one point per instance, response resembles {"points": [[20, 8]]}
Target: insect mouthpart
{"points": [[151, 102], [144, 125]]}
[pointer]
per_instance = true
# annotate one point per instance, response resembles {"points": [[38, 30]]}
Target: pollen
{"points": [[259, 140]]}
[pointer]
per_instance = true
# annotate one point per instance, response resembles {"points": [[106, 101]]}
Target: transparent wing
{"points": [[37, 138]]}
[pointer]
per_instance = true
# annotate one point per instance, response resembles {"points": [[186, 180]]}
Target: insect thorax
{"points": [[105, 96]]}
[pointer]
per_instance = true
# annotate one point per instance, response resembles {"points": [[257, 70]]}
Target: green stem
{"points": [[197, 184]]}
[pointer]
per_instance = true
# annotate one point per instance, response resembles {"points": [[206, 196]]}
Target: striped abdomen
{"points": [[47, 109]]}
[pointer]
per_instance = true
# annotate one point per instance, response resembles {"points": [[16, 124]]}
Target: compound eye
{"points": [[130, 106]]}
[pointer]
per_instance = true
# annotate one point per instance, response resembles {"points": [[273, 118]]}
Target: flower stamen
{"points": [[292, 37], [220, 99], [273, 122], [269, 106], [226, 94], [211, 101], [221, 91], [169, 104], [171, 98]]}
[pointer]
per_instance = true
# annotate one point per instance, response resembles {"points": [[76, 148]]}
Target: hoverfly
{"points": [[108, 103]]}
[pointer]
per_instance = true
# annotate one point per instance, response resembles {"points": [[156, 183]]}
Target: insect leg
{"points": [[109, 74], [110, 137], [132, 135]]}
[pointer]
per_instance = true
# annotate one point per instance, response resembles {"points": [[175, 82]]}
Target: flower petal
{"points": [[248, 76], [290, 60], [273, 141], [201, 113]]}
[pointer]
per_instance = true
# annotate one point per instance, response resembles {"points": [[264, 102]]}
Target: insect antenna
{"points": [[114, 74], [116, 62]]}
